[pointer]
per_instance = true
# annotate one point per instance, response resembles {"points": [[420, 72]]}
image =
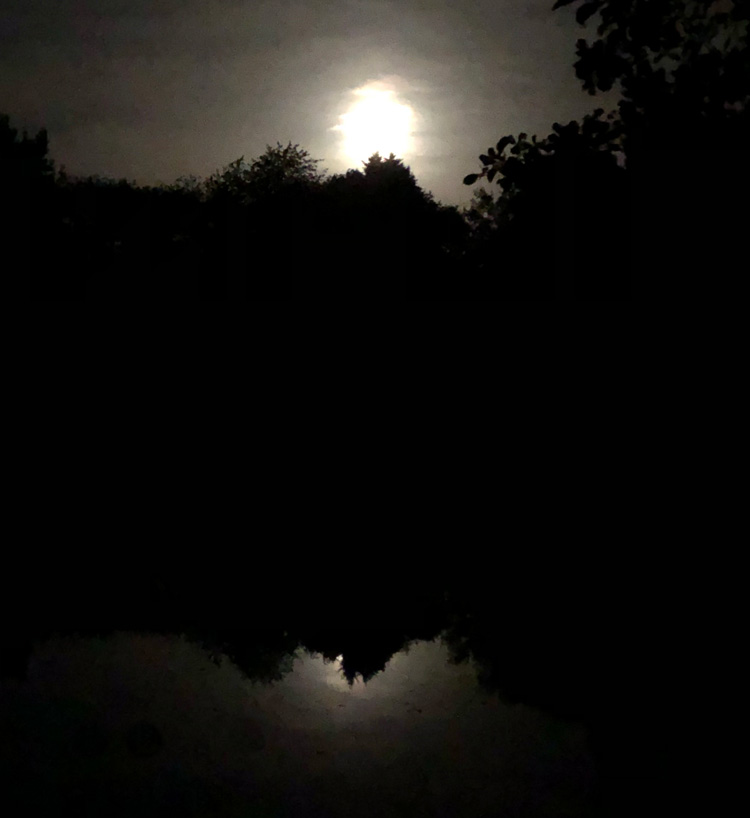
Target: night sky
{"points": [[151, 90]]}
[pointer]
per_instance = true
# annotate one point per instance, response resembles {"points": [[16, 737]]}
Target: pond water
{"points": [[142, 725]]}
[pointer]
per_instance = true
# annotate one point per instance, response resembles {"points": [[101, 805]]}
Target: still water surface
{"points": [[148, 725]]}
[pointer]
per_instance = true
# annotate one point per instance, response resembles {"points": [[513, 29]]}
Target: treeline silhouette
{"points": [[271, 228]]}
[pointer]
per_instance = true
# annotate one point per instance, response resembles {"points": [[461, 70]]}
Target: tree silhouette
{"points": [[23, 159], [569, 188], [397, 239], [277, 170], [682, 67], [693, 49], [391, 177], [253, 207], [27, 197], [680, 135]]}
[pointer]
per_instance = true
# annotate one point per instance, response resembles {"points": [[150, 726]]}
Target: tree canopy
{"points": [[640, 43], [275, 171], [682, 67], [23, 157], [679, 136]]}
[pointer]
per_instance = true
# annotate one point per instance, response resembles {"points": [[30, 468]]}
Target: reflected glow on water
{"points": [[419, 737]]}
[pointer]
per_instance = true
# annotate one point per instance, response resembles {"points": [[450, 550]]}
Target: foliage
{"points": [[697, 43], [399, 237], [567, 188], [23, 158], [518, 163], [682, 67], [392, 176], [188, 185], [27, 179], [275, 171]]}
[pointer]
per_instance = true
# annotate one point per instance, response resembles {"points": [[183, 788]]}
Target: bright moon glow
{"points": [[376, 123]]}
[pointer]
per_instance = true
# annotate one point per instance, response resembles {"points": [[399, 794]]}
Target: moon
{"points": [[376, 122]]}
